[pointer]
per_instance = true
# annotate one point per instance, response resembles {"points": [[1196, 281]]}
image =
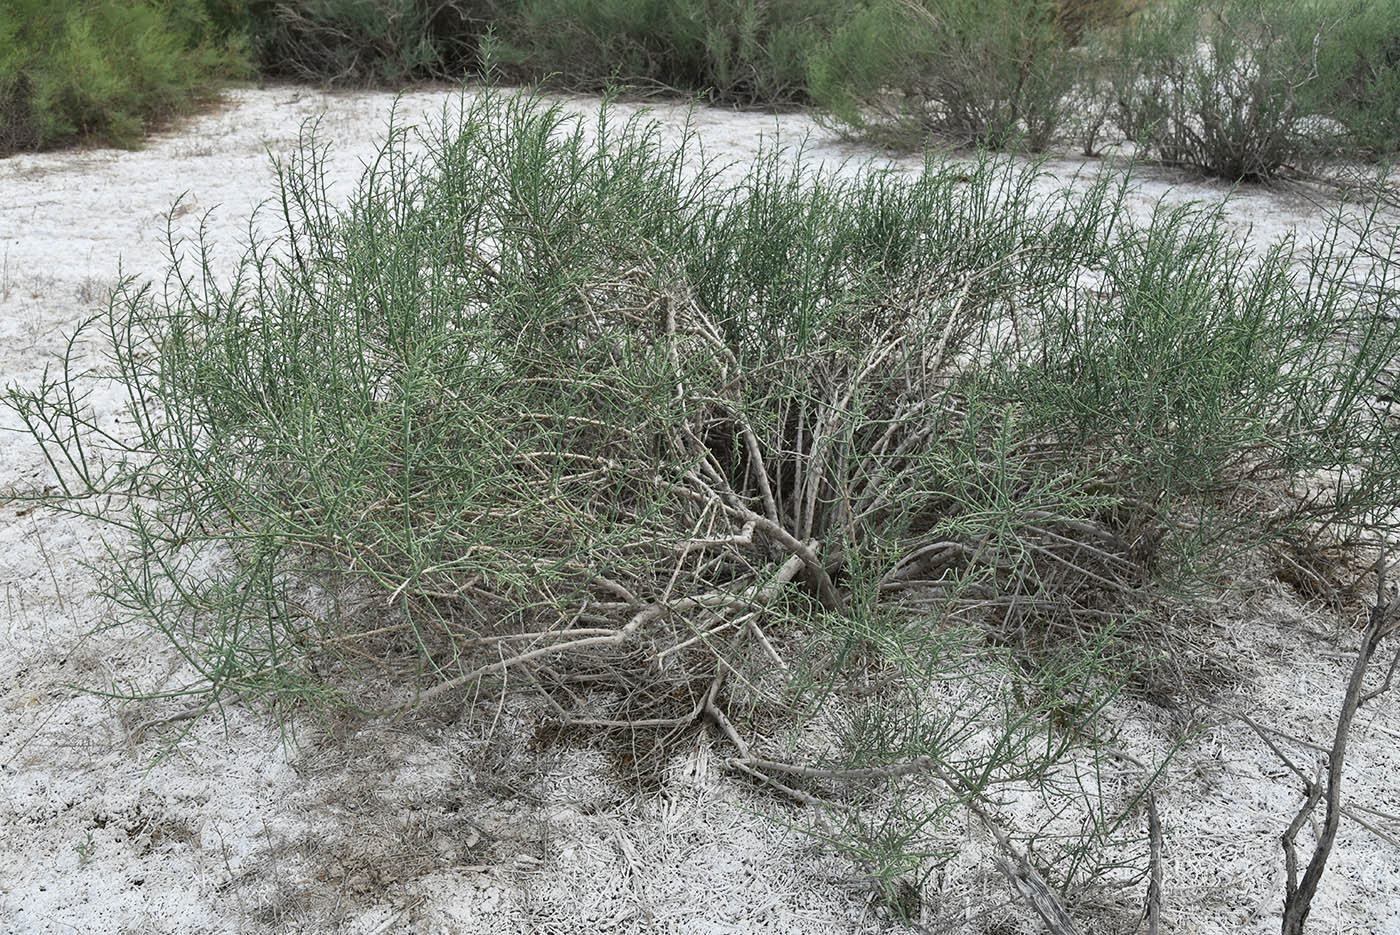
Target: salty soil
{"points": [[478, 826]]}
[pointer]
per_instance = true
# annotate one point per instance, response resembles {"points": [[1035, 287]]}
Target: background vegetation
{"points": [[76, 70], [1236, 88], [1244, 88], [994, 74]]}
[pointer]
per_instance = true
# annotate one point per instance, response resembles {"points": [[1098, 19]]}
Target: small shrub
{"points": [[1359, 68], [586, 44], [739, 51], [993, 74], [19, 122], [1245, 88]]}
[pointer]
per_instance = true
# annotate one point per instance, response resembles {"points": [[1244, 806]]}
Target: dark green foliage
{"points": [[368, 42], [744, 51], [732, 50], [19, 120], [103, 71], [1238, 88], [1359, 74]]}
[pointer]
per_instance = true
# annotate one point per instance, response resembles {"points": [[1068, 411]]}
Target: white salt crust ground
{"points": [[408, 828]]}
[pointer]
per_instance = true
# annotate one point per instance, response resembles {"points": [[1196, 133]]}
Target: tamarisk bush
{"points": [[106, 71]]}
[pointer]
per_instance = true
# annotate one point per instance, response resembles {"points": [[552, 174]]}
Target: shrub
{"points": [[898, 464], [732, 50], [368, 42], [1359, 71], [102, 71], [19, 122], [1245, 88], [741, 51], [993, 74]]}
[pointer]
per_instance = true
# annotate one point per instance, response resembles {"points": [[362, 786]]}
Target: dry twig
{"points": [[1154, 883], [1297, 901]]}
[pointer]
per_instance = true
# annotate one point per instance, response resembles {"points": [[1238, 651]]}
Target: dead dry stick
{"points": [[639, 620], [743, 537], [1154, 883], [797, 795], [1349, 810], [920, 764], [1297, 901], [613, 638], [1022, 875], [806, 549], [767, 645], [138, 733]]}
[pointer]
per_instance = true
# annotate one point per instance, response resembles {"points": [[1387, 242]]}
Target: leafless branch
{"points": [[1154, 883], [1297, 902]]}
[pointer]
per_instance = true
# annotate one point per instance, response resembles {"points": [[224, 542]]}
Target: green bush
{"points": [[1245, 88], [1359, 71], [733, 50], [104, 71], [987, 73], [743, 51], [368, 42], [1238, 88]]}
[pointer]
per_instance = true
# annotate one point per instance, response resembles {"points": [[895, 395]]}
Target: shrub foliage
{"points": [[1246, 88], [75, 70], [1243, 89], [368, 42], [988, 73]]}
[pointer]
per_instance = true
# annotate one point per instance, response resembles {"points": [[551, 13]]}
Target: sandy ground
{"points": [[438, 828]]}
